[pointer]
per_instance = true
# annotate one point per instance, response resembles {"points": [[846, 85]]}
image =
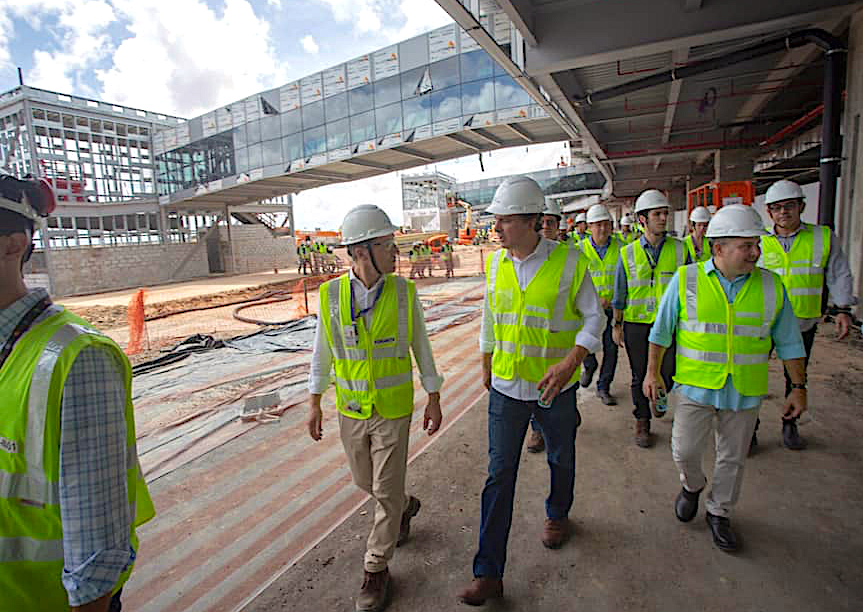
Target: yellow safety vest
{"points": [[801, 268], [31, 529], [628, 238], [372, 366], [413, 254], [535, 328], [716, 339], [602, 269], [690, 248], [645, 284], [445, 251]]}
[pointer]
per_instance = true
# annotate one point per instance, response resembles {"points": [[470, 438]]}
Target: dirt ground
{"points": [[799, 518]]}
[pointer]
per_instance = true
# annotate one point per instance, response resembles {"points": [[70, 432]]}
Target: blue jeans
{"points": [[609, 357], [507, 425]]}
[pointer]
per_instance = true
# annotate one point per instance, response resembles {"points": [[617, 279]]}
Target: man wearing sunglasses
{"points": [[71, 490], [808, 258], [369, 319]]}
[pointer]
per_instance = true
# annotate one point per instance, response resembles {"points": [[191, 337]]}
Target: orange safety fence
{"points": [[137, 324]]}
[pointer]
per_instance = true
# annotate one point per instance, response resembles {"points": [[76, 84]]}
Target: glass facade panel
{"points": [[336, 107], [253, 131], [387, 91], [477, 96], [411, 81], [445, 73], [271, 127], [272, 152], [508, 93], [389, 119], [417, 112], [292, 147], [476, 65], [446, 104], [337, 134], [255, 157], [362, 127], [242, 156], [361, 99], [292, 122], [314, 141], [313, 115]]}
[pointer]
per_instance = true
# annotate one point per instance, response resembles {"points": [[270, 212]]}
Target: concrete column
{"points": [[849, 215], [733, 165]]}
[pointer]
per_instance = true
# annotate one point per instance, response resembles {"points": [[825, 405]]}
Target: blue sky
{"points": [[187, 57]]}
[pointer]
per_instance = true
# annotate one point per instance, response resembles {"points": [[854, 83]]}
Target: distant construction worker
{"points": [[696, 242], [627, 232], [72, 489], [446, 255], [540, 318], [602, 250], [369, 321], [642, 274], [580, 227], [414, 255], [429, 258], [808, 258], [722, 373], [304, 255]]}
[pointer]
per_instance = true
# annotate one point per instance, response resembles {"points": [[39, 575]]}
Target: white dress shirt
{"points": [[586, 301], [322, 356]]}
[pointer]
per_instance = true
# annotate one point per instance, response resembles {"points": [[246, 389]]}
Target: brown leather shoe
{"points": [[373, 594], [535, 443], [480, 589], [411, 511], [642, 433], [556, 532]]}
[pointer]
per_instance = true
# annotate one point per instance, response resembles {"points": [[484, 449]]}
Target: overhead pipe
{"points": [[835, 53], [796, 125]]}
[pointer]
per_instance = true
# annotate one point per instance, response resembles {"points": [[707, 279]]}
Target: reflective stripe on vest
{"points": [[801, 268], [372, 366], [537, 327], [690, 248], [716, 339], [645, 285], [602, 269]]}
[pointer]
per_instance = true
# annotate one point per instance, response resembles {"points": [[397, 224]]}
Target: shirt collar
{"points": [[709, 267], [12, 315], [792, 235], [355, 278], [647, 245], [601, 246]]}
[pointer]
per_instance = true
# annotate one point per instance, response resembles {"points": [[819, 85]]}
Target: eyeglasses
{"points": [[787, 206], [387, 244]]}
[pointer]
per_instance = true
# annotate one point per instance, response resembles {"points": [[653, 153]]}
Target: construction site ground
{"points": [[254, 515]]}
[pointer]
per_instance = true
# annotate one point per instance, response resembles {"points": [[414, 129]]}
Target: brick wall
{"points": [[90, 270], [256, 250]]}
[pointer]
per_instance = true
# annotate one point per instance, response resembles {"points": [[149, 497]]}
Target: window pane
{"points": [[446, 104], [361, 99], [362, 127], [410, 82], [313, 114], [270, 127], [445, 73], [255, 160], [337, 134], [389, 119], [478, 96], [253, 131], [292, 147], [508, 93], [291, 122], [387, 91], [314, 141], [476, 65], [417, 111], [336, 107], [273, 152]]}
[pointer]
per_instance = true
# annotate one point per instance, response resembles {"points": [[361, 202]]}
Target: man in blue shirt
{"points": [[698, 400]]}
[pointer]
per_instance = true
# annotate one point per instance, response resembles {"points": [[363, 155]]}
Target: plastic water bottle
{"points": [[661, 401]]}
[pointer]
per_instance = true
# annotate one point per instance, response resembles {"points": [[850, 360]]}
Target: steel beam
{"points": [[414, 153], [464, 141]]}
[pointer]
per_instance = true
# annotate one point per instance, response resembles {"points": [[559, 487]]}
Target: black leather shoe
{"points": [[790, 436], [606, 397], [723, 536], [586, 378], [686, 505]]}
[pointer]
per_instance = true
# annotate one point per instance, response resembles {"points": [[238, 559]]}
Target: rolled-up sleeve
{"points": [[838, 277], [421, 346], [486, 330], [621, 288], [786, 332], [322, 360], [587, 302], [94, 504], [662, 331]]}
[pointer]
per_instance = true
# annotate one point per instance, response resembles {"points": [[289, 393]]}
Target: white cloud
{"points": [[309, 44], [389, 20]]}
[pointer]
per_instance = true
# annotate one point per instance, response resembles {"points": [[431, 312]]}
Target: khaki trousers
{"points": [[693, 423], [377, 452]]}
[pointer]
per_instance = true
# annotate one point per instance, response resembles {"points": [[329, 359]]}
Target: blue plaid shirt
{"points": [[93, 496]]}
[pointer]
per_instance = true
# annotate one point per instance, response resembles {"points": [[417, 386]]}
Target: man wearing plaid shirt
{"points": [[67, 536]]}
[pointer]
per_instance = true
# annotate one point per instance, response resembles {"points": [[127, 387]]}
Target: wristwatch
{"points": [[798, 386]]}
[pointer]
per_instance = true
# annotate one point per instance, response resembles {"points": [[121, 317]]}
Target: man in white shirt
{"points": [[371, 310], [533, 339]]}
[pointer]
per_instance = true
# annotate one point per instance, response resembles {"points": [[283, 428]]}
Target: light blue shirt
{"points": [[621, 287], [785, 333]]}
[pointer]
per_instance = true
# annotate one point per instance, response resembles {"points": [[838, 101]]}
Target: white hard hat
{"points": [[581, 218], [783, 190], [626, 219], [37, 198], [736, 221], [365, 222], [552, 208], [517, 195], [699, 214], [597, 213], [650, 199]]}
